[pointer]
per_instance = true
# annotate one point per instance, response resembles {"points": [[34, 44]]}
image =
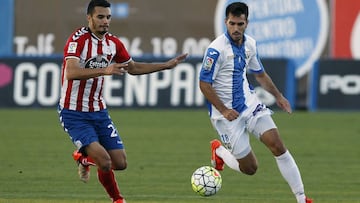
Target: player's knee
{"points": [[105, 165], [277, 148], [249, 170], [120, 165]]}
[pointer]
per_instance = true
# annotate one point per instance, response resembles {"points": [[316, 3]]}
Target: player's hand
{"points": [[230, 114], [116, 69], [175, 61], [284, 104]]}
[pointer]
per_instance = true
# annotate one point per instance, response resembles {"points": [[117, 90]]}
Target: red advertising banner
{"points": [[346, 29]]}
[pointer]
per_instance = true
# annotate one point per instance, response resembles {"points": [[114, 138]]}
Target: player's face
{"points": [[236, 26], [99, 21]]}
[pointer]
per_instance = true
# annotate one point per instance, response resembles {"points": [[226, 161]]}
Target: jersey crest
{"points": [[72, 48], [210, 60]]}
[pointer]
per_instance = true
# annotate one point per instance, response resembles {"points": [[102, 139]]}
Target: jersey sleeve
{"points": [[208, 65], [75, 43], [122, 55]]}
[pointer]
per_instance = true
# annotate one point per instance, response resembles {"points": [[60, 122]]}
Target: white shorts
{"points": [[235, 134]]}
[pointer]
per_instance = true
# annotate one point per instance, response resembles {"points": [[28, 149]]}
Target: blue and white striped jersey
{"points": [[225, 65]]}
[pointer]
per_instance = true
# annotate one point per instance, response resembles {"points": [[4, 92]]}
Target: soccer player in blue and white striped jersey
{"points": [[235, 110]]}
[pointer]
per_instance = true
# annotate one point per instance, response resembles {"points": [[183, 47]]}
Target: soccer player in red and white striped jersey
{"points": [[90, 54]]}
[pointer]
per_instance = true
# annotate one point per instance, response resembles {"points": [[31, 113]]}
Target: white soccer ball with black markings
{"points": [[206, 181]]}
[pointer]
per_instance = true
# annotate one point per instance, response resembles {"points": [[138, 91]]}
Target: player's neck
{"points": [[239, 42], [98, 35]]}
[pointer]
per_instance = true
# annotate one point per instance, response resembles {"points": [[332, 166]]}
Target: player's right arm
{"points": [[206, 78], [73, 71], [210, 94]]}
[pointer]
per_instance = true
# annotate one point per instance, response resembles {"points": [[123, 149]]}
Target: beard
{"points": [[102, 32], [98, 29]]}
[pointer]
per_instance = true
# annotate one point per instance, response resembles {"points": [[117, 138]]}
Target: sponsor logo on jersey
{"points": [[212, 52], [247, 54], [208, 63], [72, 48], [210, 59], [97, 62]]}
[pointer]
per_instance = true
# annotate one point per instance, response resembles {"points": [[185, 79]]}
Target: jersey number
{"points": [[113, 132]]}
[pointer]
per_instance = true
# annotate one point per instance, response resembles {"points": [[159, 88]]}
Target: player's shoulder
{"points": [[250, 41], [113, 38], [80, 33], [219, 43]]}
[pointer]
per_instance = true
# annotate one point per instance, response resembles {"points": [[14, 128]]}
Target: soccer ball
{"points": [[206, 181]]}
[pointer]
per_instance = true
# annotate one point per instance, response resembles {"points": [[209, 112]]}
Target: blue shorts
{"points": [[87, 127]]}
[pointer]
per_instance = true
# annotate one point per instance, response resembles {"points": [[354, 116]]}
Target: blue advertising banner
{"points": [[295, 29], [7, 27]]}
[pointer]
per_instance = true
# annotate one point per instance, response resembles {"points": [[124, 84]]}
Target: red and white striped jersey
{"points": [[86, 95]]}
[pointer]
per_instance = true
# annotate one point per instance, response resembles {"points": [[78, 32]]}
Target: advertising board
{"points": [[35, 82], [346, 29], [335, 85]]}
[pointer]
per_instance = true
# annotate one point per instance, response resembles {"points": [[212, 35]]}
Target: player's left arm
{"points": [[138, 68], [266, 82]]}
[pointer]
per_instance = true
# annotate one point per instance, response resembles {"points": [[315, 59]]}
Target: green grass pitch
{"points": [[164, 147]]}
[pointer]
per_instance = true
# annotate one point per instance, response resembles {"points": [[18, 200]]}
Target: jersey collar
{"points": [[232, 41]]}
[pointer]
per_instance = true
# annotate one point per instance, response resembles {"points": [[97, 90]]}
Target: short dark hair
{"points": [[94, 3], [237, 9]]}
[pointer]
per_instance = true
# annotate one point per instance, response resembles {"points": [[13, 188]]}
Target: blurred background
{"points": [[310, 48]]}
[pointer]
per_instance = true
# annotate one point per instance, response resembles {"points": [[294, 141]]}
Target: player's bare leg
{"points": [[272, 140], [118, 159], [100, 156], [105, 171], [248, 164]]}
